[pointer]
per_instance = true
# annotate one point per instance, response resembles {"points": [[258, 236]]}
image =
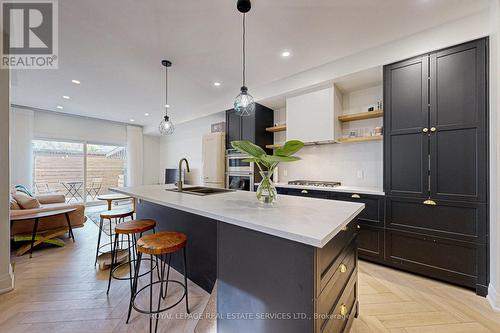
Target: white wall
{"points": [[135, 146], [21, 158], [151, 167], [6, 274], [186, 142], [494, 287], [354, 164]]}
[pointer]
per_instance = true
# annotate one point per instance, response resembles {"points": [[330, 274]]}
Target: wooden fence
{"points": [[55, 170]]}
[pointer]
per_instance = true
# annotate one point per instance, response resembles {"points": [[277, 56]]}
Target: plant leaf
{"points": [[254, 160], [248, 148], [277, 159], [289, 148]]}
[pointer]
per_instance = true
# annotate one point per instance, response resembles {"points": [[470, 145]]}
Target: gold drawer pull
{"points": [[343, 310], [433, 129], [344, 228], [430, 202], [343, 268], [355, 196], [425, 130], [304, 191]]}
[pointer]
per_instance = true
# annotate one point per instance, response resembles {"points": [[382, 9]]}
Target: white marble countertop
{"points": [[349, 189], [306, 220]]}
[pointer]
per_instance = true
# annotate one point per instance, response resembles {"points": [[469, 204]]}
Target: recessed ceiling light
{"points": [[146, 114], [66, 97], [167, 106], [132, 120], [217, 84], [75, 81], [285, 54], [60, 107]]}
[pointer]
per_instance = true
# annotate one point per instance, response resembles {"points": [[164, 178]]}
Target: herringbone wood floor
{"points": [[59, 290]]}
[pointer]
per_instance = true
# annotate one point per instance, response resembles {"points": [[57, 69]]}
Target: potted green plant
{"points": [[266, 192]]}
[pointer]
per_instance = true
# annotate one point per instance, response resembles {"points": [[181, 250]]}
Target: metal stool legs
{"points": [[163, 287]]}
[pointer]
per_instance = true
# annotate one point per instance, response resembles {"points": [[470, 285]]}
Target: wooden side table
{"points": [[114, 197], [38, 216]]}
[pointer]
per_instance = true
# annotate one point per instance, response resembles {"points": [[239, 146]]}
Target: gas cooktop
{"points": [[317, 183]]}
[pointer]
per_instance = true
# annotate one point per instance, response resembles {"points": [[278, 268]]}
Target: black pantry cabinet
{"points": [[251, 128], [436, 164]]}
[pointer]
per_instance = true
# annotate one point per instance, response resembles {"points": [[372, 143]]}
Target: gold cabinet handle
{"points": [[355, 196], [343, 310], [342, 268], [430, 202], [433, 129], [425, 130], [304, 191], [344, 228]]}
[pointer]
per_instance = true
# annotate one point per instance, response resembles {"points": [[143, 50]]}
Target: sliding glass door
{"points": [[81, 171], [105, 169], [58, 166]]}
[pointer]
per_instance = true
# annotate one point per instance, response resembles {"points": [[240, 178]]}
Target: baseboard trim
{"points": [[7, 281], [493, 298]]}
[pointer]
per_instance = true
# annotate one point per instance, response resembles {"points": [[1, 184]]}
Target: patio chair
{"points": [[44, 188], [94, 188]]}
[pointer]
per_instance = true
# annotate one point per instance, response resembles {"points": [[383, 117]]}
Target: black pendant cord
{"points": [[166, 92], [244, 51]]}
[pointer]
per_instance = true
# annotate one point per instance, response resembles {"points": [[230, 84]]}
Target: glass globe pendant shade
{"points": [[166, 126], [243, 103]]}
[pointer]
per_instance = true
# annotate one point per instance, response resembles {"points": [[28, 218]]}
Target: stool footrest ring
{"points": [[131, 261], [162, 309]]}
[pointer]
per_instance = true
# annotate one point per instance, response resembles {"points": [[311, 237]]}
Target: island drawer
{"points": [[336, 280], [340, 319], [326, 256], [308, 193], [374, 206], [458, 220]]}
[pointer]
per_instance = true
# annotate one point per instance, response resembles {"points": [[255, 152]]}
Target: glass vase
{"points": [[266, 192]]}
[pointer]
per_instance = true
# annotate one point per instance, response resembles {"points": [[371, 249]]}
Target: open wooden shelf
{"points": [[276, 146], [361, 115], [278, 128], [361, 139]]}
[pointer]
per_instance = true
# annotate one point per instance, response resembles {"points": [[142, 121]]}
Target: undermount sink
{"points": [[200, 190]]}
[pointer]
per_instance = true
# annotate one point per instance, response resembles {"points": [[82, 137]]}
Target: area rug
{"points": [[94, 213]]}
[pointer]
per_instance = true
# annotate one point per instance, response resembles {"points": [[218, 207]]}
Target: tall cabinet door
{"points": [[233, 130], [458, 123], [405, 121]]}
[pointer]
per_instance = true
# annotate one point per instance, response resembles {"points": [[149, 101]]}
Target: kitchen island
{"points": [[287, 268]]}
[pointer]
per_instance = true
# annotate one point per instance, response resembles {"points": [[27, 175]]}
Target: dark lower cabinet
{"points": [[446, 241], [373, 214], [309, 193], [446, 259], [464, 221], [371, 242]]}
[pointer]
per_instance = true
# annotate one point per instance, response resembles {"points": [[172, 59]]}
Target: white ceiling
{"points": [[114, 48]]}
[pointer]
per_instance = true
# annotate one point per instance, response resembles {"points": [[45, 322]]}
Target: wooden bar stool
{"points": [[162, 245], [118, 215], [130, 229]]}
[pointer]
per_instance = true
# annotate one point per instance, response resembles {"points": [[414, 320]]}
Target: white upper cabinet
{"points": [[312, 117]]}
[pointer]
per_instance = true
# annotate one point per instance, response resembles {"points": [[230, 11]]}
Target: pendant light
{"points": [[243, 103], [166, 127]]}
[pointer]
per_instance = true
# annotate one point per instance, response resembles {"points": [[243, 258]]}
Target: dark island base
{"points": [[267, 283]]}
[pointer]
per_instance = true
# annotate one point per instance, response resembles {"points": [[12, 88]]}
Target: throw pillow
{"points": [[13, 203], [24, 189], [25, 201]]}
